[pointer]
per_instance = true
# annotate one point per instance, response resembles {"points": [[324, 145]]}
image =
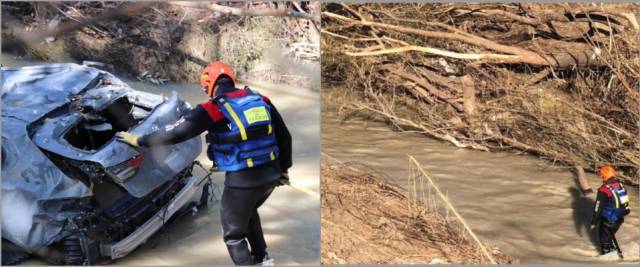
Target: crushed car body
{"points": [[70, 192]]}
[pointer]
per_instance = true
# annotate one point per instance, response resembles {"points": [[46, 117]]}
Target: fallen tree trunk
{"points": [[511, 54]]}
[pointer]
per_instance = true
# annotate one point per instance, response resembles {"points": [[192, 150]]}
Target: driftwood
{"points": [[582, 180], [469, 96], [511, 54]]}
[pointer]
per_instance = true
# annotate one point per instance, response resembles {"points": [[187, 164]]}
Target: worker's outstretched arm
{"points": [[192, 124], [283, 137]]}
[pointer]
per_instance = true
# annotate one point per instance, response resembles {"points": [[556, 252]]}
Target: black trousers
{"points": [[241, 223], [606, 231]]}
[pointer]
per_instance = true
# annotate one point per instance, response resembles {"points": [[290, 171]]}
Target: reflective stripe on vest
{"points": [[615, 209], [250, 140], [243, 132], [619, 195]]}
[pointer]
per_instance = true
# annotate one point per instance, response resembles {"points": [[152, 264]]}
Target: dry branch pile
{"points": [[557, 80], [367, 221]]}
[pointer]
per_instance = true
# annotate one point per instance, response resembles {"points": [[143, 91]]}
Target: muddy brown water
{"points": [[528, 208], [290, 217]]}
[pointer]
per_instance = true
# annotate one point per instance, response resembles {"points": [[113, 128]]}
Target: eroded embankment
{"points": [[368, 221], [163, 42]]}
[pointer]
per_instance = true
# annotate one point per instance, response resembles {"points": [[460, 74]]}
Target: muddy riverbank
{"points": [[525, 206], [292, 231]]}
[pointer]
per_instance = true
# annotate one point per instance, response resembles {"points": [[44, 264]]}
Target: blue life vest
{"points": [[616, 207], [250, 140]]}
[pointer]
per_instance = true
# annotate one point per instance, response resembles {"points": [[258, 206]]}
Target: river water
{"points": [[528, 208], [292, 231]]}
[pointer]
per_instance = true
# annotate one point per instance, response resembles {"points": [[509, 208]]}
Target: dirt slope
{"points": [[366, 221]]}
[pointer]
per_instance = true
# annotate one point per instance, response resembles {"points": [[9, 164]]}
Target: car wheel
{"points": [[12, 254]]}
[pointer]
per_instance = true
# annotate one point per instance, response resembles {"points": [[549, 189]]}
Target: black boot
{"points": [[241, 223], [264, 260], [239, 252]]}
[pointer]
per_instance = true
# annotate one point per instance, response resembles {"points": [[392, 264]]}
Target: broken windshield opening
{"points": [[98, 127]]}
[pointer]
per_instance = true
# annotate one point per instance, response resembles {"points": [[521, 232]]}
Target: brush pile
{"points": [[368, 221], [560, 81]]}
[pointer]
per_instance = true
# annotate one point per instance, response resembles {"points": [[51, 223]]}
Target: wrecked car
{"points": [[71, 193]]}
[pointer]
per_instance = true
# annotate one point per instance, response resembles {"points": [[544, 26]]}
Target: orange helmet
{"points": [[212, 72], [606, 172]]}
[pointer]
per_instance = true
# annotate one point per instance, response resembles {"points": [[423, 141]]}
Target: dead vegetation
{"points": [[171, 41], [367, 221], [556, 80]]}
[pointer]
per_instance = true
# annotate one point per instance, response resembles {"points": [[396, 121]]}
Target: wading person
{"points": [[612, 204], [247, 139]]}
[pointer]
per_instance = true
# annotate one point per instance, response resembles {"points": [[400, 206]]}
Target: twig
{"points": [[439, 52], [374, 32], [39, 35], [450, 206]]}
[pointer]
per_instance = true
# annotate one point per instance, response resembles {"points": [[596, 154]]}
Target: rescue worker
{"points": [[612, 204], [247, 139]]}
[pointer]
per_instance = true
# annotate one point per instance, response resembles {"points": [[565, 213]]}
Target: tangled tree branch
{"points": [[552, 80], [518, 55], [24, 37], [236, 11]]}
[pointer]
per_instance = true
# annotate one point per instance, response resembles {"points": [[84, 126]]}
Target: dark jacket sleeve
{"points": [[195, 122], [601, 201], [283, 137]]}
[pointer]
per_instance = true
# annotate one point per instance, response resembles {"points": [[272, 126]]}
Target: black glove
{"points": [[214, 167], [284, 179]]}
